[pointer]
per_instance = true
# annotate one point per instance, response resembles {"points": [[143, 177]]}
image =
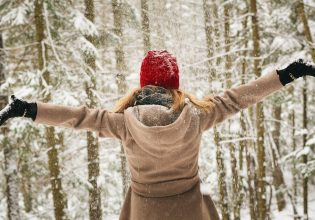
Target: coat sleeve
{"points": [[105, 123], [235, 99]]}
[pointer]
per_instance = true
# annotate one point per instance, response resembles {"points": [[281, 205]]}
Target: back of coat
{"points": [[162, 152]]}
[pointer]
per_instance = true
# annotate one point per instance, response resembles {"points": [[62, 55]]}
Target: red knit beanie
{"points": [[159, 68]]}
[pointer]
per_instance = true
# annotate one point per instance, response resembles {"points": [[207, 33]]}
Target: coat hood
{"points": [[156, 124]]}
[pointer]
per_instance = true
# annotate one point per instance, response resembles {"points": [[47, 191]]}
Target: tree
{"points": [[53, 160], [10, 157], [95, 204], [145, 25], [309, 39], [246, 145], [221, 177], [209, 37], [260, 131], [221, 170], [158, 7], [278, 180], [25, 176], [294, 168], [236, 199], [120, 78]]}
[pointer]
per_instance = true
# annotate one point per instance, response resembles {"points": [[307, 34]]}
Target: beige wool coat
{"points": [[162, 150]]}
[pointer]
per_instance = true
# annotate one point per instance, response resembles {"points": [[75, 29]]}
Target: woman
{"points": [[160, 128]]}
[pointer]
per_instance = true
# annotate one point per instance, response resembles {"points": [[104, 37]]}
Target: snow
{"points": [[284, 43], [84, 25], [304, 151], [17, 16], [311, 141], [87, 47]]}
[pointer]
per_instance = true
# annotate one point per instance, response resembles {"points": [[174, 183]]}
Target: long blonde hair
{"points": [[178, 96]]}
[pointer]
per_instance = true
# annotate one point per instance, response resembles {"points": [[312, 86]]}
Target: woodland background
{"points": [[258, 165]]}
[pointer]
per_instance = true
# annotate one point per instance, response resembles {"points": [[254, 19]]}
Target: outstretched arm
{"points": [[106, 123], [235, 99]]}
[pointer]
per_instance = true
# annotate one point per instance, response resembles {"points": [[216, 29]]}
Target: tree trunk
{"points": [[221, 177], [260, 131], [242, 118], [304, 157], [247, 144], [308, 36], [294, 169], [95, 202], [228, 64], [209, 37], [11, 177], [223, 195], [307, 31], [121, 69], [26, 179], [119, 51], [278, 180], [217, 31], [251, 179], [159, 9], [145, 25], [244, 132], [53, 160], [10, 157]]}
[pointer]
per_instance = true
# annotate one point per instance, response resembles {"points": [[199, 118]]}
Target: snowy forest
{"points": [[260, 164]]}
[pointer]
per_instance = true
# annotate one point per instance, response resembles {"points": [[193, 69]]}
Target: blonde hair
{"points": [[178, 96]]}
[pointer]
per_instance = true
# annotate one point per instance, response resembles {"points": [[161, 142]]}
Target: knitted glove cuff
{"points": [[285, 76], [31, 111]]}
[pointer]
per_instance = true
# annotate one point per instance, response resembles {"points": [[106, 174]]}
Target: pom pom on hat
{"points": [[159, 68]]}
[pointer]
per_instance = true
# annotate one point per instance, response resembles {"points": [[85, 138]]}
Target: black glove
{"points": [[295, 70], [18, 108]]}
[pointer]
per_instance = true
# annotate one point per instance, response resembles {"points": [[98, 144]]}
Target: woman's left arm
{"points": [[107, 124]]}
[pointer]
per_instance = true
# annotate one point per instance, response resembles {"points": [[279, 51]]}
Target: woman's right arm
{"points": [[235, 99]]}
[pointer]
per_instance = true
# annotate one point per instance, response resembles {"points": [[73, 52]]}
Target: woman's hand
{"points": [[18, 108], [295, 70]]}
